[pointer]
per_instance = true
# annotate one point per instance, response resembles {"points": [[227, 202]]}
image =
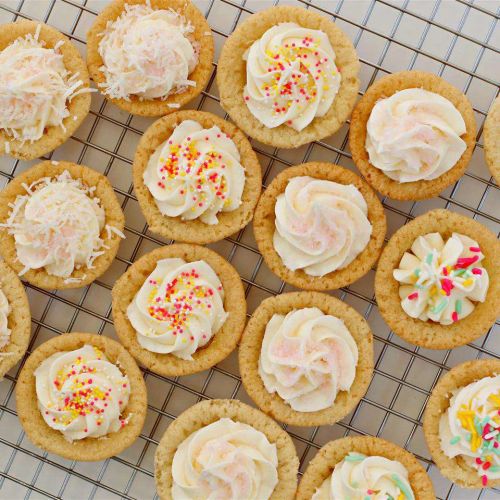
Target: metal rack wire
{"points": [[457, 39]]}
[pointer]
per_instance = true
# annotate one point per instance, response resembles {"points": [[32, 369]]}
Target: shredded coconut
{"points": [[57, 225], [147, 53], [35, 87], [174, 105]]}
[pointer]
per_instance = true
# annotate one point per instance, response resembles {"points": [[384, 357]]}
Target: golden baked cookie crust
{"points": [[78, 107], [322, 465], [264, 227], [207, 412], [109, 202], [426, 333], [87, 449], [385, 87], [492, 140], [455, 469], [231, 77], [222, 343], [201, 74], [18, 320], [196, 231], [250, 347]]}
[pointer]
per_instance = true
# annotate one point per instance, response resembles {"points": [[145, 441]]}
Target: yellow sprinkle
{"points": [[467, 282]]}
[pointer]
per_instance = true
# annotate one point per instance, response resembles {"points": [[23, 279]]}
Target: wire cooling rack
{"points": [[458, 40]]}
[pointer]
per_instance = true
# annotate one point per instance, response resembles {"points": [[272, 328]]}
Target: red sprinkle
{"points": [[486, 465], [447, 285], [476, 270], [484, 479], [478, 461], [413, 296], [465, 262], [454, 316], [474, 249]]}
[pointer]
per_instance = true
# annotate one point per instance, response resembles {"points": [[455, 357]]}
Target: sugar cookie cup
{"points": [[78, 106], [455, 469], [18, 319], [222, 343], [196, 231], [321, 466], [250, 351], [264, 228], [429, 334], [88, 449], [207, 412], [386, 87], [231, 77], [114, 218], [202, 37], [492, 140]]}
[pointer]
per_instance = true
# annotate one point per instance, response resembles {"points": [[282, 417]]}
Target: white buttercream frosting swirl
{"points": [[147, 53], [291, 76], [35, 88], [415, 135], [225, 460], [81, 393], [321, 225], [307, 357], [470, 427], [57, 225], [179, 308], [441, 281], [5, 310], [196, 173], [361, 477]]}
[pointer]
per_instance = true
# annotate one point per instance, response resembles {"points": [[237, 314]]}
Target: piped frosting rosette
{"points": [[307, 357], [321, 225], [81, 393], [440, 281], [147, 53], [291, 76], [361, 477], [415, 135], [470, 427], [225, 459], [179, 308], [196, 173]]}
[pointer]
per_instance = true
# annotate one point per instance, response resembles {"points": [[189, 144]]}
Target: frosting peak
{"points": [[321, 225], [361, 477], [179, 308], [470, 427], [4, 314], [440, 281], [81, 393], [291, 76], [307, 357], [414, 135], [225, 460], [147, 53], [196, 173]]}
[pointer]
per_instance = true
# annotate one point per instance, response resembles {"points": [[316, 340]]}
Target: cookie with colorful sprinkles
{"points": [[438, 280], [462, 424], [491, 138], [82, 397], [179, 309], [381, 469], [196, 177], [288, 76]]}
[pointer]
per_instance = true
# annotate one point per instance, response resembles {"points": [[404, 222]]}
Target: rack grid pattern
{"points": [[457, 39]]}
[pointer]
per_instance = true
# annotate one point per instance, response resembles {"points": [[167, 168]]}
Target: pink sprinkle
{"points": [[447, 285], [454, 316], [474, 249], [476, 270], [465, 262], [478, 461], [413, 296], [484, 479]]}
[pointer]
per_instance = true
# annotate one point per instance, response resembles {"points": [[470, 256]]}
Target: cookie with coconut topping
{"points": [[150, 56], [44, 89], [63, 223]]}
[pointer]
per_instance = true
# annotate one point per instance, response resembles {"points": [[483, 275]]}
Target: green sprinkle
{"points": [[429, 258], [468, 437], [368, 497], [485, 420], [458, 306], [495, 468], [416, 272], [354, 457], [402, 486], [455, 440], [459, 272], [477, 425], [440, 306]]}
